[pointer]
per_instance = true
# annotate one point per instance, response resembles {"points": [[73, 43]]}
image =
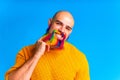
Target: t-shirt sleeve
{"points": [[20, 59]]}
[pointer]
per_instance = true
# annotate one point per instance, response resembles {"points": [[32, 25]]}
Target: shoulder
{"points": [[72, 48], [26, 51], [77, 56], [74, 51], [28, 48]]}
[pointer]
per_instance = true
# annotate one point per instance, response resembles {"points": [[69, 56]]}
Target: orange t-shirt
{"points": [[65, 64]]}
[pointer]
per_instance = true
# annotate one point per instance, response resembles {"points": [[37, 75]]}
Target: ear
{"points": [[49, 22]]}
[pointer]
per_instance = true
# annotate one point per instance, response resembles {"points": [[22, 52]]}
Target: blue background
{"points": [[96, 31]]}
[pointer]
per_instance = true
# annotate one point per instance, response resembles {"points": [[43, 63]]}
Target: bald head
{"points": [[65, 14]]}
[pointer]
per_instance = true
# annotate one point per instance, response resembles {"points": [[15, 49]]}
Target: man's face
{"points": [[63, 22]]}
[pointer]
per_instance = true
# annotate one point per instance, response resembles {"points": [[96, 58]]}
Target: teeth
{"points": [[59, 36]]}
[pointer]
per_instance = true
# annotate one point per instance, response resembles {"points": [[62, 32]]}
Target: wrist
{"points": [[38, 54]]}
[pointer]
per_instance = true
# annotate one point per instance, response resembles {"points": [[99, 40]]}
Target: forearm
{"points": [[25, 71]]}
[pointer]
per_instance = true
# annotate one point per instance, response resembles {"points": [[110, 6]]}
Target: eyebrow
{"points": [[62, 23]]}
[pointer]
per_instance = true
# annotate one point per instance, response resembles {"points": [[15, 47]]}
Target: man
{"points": [[43, 62]]}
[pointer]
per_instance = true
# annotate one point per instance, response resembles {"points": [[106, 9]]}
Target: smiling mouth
{"points": [[59, 35]]}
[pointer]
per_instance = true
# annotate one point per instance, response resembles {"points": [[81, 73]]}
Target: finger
{"points": [[38, 43], [47, 47], [42, 43]]}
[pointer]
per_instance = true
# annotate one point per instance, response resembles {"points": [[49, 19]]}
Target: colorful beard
{"points": [[52, 40]]}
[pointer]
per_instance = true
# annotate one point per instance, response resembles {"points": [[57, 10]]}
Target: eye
{"points": [[58, 23], [68, 28]]}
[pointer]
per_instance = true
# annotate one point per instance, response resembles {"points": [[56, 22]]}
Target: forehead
{"points": [[65, 18]]}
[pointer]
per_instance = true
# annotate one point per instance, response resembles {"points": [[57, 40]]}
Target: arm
{"points": [[25, 71]]}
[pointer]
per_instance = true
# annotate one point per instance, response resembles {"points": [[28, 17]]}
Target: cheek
{"points": [[68, 34], [53, 27]]}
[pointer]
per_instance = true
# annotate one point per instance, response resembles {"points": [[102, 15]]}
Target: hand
{"points": [[41, 47]]}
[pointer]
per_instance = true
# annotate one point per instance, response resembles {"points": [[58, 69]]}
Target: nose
{"points": [[62, 29]]}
